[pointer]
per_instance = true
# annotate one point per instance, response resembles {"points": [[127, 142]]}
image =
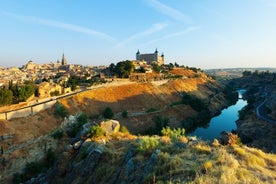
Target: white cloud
{"points": [[62, 25], [169, 11], [153, 29], [186, 31]]}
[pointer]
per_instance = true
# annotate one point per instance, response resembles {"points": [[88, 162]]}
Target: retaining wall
{"points": [[2, 115], [31, 110], [43, 106]]}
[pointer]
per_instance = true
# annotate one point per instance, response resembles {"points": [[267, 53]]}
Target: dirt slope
{"points": [[138, 98]]}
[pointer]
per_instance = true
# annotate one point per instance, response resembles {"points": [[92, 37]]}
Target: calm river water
{"points": [[226, 121]]}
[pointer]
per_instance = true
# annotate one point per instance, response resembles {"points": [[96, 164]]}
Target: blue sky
{"points": [[199, 33]]}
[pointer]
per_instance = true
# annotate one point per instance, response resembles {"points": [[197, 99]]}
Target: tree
{"points": [[246, 73], [108, 113], [171, 66], [25, 92], [60, 111], [112, 67], [124, 68], [156, 68], [176, 64], [72, 82], [5, 96]]}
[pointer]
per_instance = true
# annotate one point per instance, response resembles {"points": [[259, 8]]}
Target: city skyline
{"points": [[213, 34]]}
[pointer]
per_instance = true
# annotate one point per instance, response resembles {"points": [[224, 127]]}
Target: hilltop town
{"points": [[60, 77]]}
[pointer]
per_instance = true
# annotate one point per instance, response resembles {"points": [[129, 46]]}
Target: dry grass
{"points": [[202, 148], [215, 143], [240, 164]]}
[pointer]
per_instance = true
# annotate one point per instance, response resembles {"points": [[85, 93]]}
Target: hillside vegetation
{"points": [[142, 108], [143, 101], [171, 158], [165, 159]]}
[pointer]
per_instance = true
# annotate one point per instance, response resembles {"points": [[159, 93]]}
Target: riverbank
{"points": [[225, 121]]}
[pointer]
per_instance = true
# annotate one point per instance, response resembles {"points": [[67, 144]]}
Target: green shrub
{"points": [[147, 144], [97, 131], [173, 133], [151, 110], [108, 113], [57, 134], [124, 129], [60, 111], [76, 127], [55, 93], [176, 103], [124, 114], [82, 119], [166, 163]]}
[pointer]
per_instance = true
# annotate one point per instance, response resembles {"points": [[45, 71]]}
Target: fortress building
{"points": [[151, 58]]}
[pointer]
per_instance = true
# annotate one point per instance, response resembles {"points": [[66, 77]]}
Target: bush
{"points": [[151, 110], [108, 113], [57, 134], [5, 97], [124, 129], [55, 93], [60, 111], [97, 131], [82, 118], [173, 133], [147, 144], [76, 127], [124, 114]]}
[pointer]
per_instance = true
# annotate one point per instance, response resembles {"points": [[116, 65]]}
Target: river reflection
{"points": [[226, 121]]}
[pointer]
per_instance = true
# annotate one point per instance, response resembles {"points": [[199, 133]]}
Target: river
{"points": [[226, 121]]}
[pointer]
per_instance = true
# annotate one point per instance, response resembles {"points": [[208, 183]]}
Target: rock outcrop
{"points": [[110, 126], [228, 138]]}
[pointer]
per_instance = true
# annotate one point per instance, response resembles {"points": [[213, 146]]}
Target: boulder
{"points": [[85, 129], [110, 126], [228, 138], [77, 145]]}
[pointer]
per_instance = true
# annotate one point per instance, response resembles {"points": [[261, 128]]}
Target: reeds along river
{"points": [[226, 121]]}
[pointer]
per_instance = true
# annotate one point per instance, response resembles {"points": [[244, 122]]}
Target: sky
{"points": [[197, 33]]}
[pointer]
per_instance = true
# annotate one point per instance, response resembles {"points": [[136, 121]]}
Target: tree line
{"points": [[14, 93]]}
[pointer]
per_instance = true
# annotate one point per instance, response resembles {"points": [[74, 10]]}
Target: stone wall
{"points": [[31, 110], [43, 106], [2, 115], [19, 113]]}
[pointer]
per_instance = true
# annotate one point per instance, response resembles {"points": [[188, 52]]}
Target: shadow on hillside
{"points": [[143, 107]]}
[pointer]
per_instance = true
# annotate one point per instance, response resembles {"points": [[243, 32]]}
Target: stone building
{"points": [[151, 58]]}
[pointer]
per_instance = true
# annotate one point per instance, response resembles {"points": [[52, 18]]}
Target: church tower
{"points": [[138, 55], [63, 60]]}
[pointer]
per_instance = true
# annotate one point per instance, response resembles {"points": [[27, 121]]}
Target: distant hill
{"points": [[228, 73]]}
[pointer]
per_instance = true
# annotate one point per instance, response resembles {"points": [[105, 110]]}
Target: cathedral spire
{"points": [[63, 60]]}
